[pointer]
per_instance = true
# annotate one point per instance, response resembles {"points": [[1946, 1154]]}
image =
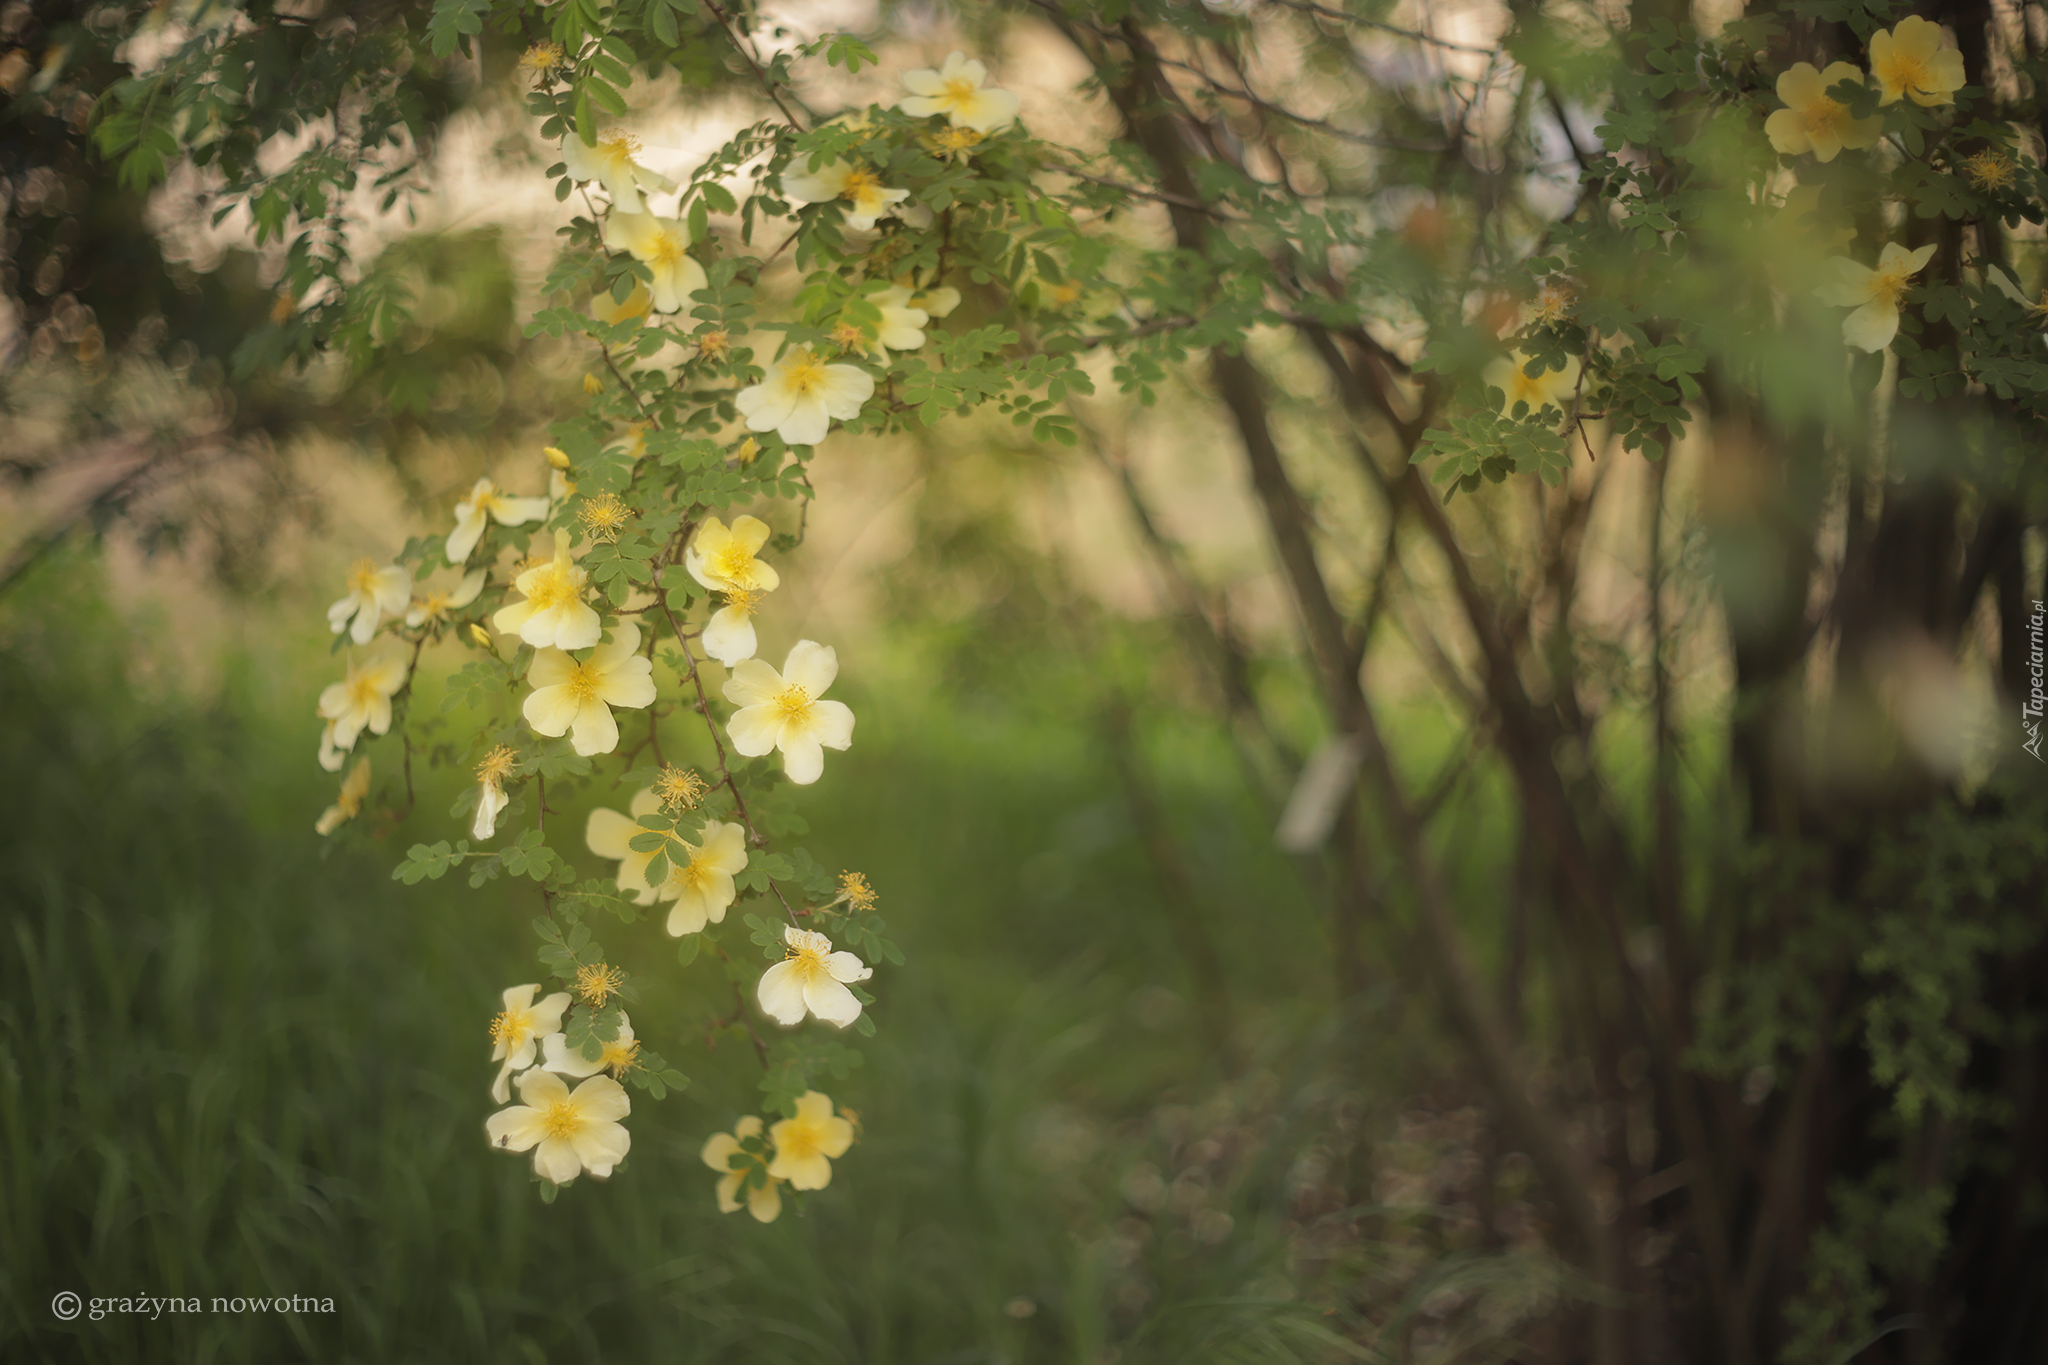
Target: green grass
{"points": [[241, 1062]]}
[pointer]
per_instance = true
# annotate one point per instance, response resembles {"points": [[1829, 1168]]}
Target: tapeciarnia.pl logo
{"points": [[2037, 699]]}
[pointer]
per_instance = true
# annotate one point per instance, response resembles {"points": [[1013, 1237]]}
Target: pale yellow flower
{"points": [[362, 700], [1810, 121], [348, 801], [576, 698], [700, 876], [956, 90], [903, 322], [804, 1144], [554, 612], [438, 602], [373, 594], [486, 501], [611, 164], [811, 979], [764, 1199], [801, 395], [867, 199], [1915, 60], [569, 1133], [783, 711], [516, 1032], [619, 1056], [491, 800], [1552, 388], [722, 557], [663, 245], [1874, 294]]}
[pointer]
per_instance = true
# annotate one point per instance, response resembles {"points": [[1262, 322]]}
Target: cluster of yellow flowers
{"points": [[590, 658], [1914, 61], [798, 1151]]}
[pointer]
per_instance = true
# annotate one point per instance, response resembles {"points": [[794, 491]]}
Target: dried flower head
{"points": [[541, 57], [679, 789], [597, 983], [849, 336], [592, 385], [1991, 170], [855, 891], [955, 143], [1555, 301], [713, 345], [497, 764], [604, 516]]}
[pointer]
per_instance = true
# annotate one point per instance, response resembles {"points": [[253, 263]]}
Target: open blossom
{"points": [[610, 163], [867, 199], [516, 1032], [801, 395], [663, 245], [1811, 121], [568, 1133], [618, 1056], [804, 1144], [576, 698], [362, 700], [491, 799], [783, 711], [554, 612], [956, 90], [348, 801], [1874, 294], [903, 322], [373, 594], [811, 979], [1914, 60], [724, 560], [486, 501], [435, 605], [1551, 388], [700, 876], [764, 1197]]}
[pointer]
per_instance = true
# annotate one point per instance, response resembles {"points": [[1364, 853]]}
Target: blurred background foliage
{"points": [[1150, 1089]]}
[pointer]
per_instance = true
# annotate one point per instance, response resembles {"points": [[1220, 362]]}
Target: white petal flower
{"points": [[956, 90], [362, 700], [1551, 388], [437, 604], [867, 199], [569, 1133], [348, 801], [1874, 294], [801, 395], [373, 594], [663, 244], [903, 323], [486, 501], [782, 710], [554, 612], [516, 1032], [764, 1198], [611, 164], [576, 697], [617, 1056], [491, 800], [811, 979], [700, 876], [729, 635], [332, 756], [804, 1144]]}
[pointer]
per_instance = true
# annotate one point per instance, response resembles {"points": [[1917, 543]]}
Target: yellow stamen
{"points": [[583, 684], [742, 601], [497, 764], [1991, 170], [679, 790], [605, 516], [509, 1028], [562, 1119], [793, 702], [854, 888], [803, 373], [619, 1058], [362, 576], [598, 983]]}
